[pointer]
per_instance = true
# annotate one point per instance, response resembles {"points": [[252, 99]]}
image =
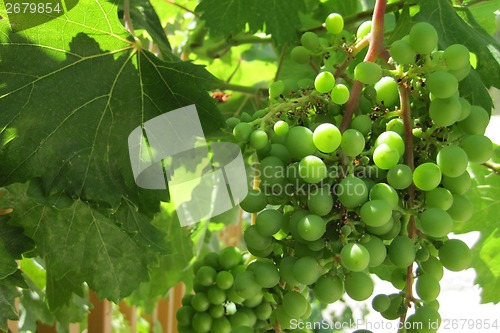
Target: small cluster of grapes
{"points": [[334, 206]]}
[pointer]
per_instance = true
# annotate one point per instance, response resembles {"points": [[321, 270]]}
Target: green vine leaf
{"points": [[485, 196], [230, 17], [452, 29], [8, 295], [72, 90]]}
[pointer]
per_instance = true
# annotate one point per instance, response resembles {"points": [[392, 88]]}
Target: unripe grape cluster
{"points": [[333, 204]]}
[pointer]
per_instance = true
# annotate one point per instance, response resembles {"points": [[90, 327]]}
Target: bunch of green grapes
{"points": [[333, 204]]}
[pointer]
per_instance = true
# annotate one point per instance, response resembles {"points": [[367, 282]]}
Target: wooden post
{"points": [[44, 328], [130, 314], [100, 316], [14, 325], [167, 308]]}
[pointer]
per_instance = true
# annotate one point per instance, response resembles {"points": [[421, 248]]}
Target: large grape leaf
{"points": [[72, 90], [8, 295], [485, 196], [453, 29], [280, 18], [80, 244]]}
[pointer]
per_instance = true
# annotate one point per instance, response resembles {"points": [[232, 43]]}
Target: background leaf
{"points": [[229, 17]]}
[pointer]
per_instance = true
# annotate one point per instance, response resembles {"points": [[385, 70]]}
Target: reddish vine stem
{"points": [[375, 49], [404, 98]]}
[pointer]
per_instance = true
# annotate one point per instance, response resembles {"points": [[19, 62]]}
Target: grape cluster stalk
{"points": [[360, 171]]}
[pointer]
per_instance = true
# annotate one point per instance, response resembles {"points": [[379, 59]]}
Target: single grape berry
{"points": [[387, 91], [324, 82], [364, 29], [402, 52], [400, 176], [435, 222], [276, 89], [442, 84], [368, 72], [355, 257], [456, 56], [340, 94], [352, 143], [423, 38], [455, 255], [300, 55], [310, 41], [327, 138], [334, 23], [427, 176], [452, 160], [259, 139]]}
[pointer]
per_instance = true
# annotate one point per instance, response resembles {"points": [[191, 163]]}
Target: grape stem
{"points": [[495, 167], [404, 99], [277, 328], [375, 50]]}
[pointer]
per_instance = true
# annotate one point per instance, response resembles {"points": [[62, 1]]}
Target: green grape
{"points": [[185, 315], [427, 176], [362, 123], [340, 94], [445, 111], [200, 302], [320, 201], [476, 122], [266, 274], [327, 138], [368, 72], [402, 52], [242, 132], [377, 250], [286, 271], [230, 257], [452, 160], [254, 202], [281, 128], [462, 209], [394, 310], [359, 286], [328, 289], [299, 142], [246, 286], [216, 295], [381, 303], [276, 89], [385, 157], [396, 125], [393, 140], [435, 222], [254, 301], [353, 143], [442, 84], [224, 280], [294, 222], [271, 171], [221, 325], [334, 23], [387, 91], [400, 176], [294, 304], [259, 139], [423, 38], [300, 55], [232, 122], [310, 41], [312, 169], [466, 107], [255, 240], [306, 270], [364, 29], [324, 82], [269, 222], [311, 227], [398, 279], [478, 147], [352, 192], [206, 276], [439, 198], [375, 213], [455, 255], [402, 251], [426, 318], [370, 93], [457, 185], [263, 311], [433, 266], [382, 191], [282, 318], [278, 150], [456, 56], [239, 319], [355, 257], [202, 322], [461, 73], [212, 259]]}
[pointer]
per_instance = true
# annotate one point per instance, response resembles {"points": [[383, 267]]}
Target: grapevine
{"points": [[365, 166]]}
